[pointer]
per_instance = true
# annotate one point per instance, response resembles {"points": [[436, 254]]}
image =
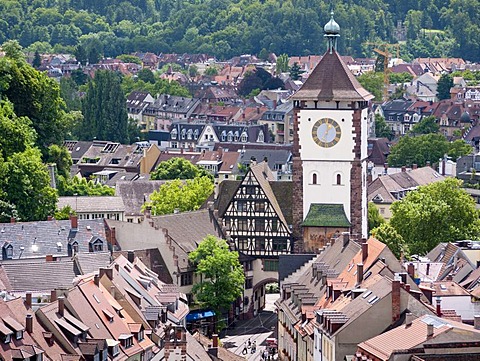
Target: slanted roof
{"points": [[332, 80], [326, 215]]}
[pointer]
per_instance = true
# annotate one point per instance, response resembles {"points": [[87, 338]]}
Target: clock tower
{"points": [[329, 151]]}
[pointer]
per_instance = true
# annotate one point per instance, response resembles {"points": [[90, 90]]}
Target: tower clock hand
{"points": [[324, 137]]}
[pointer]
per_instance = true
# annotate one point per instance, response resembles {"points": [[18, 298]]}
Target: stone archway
{"points": [[257, 301]]}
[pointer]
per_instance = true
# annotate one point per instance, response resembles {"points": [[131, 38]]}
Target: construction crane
{"points": [[386, 56]]}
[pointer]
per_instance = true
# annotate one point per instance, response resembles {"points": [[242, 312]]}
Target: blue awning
{"points": [[198, 315]]}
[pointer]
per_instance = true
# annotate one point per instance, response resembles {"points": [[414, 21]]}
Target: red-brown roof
{"points": [[332, 80]]}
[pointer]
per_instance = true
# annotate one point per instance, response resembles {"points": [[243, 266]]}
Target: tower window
{"points": [[314, 178], [339, 179]]}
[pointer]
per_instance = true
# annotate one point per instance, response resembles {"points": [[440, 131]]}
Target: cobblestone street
{"points": [[257, 330]]}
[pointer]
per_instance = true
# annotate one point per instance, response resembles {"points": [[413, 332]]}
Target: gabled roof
{"points": [[412, 336], [326, 215], [332, 80]]}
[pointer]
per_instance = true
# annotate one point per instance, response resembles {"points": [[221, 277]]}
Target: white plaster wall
{"points": [[326, 190], [342, 151], [462, 304], [364, 153]]}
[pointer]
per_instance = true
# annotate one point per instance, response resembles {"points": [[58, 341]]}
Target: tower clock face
{"points": [[326, 132]]}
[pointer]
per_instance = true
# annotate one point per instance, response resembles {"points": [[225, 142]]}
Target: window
{"points": [[189, 134], [280, 245], [236, 136], [241, 206], [250, 190], [274, 225], [248, 266], [244, 137], [261, 137], [186, 279], [174, 145], [339, 179], [270, 265], [19, 335], [248, 283], [314, 178], [183, 133], [242, 244], [224, 135], [259, 206], [173, 134], [260, 225], [242, 225], [195, 134]]}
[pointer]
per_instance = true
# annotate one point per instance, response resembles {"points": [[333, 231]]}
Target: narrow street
{"points": [[257, 330]]}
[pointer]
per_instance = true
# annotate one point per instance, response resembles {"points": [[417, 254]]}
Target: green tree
{"points": [[146, 75], [180, 195], [426, 126], [211, 71], [458, 148], [33, 95], [127, 58], [64, 213], [385, 233], [37, 60], [373, 82], [282, 63], [222, 277], [104, 109], [178, 168], [374, 217], [25, 183], [382, 130], [16, 133], [445, 83], [438, 212], [82, 187], [60, 156], [192, 71], [7, 211], [418, 150], [295, 71]]}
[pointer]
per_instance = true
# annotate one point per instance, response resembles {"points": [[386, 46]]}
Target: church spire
{"points": [[332, 33]]}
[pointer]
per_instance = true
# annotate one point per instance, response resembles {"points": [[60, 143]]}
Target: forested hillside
{"points": [[225, 28]]}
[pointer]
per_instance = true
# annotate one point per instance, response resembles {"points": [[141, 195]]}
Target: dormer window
{"points": [[126, 340], [230, 136], [189, 134], [195, 134], [7, 251], [183, 133], [173, 134], [224, 135], [261, 137], [96, 245], [236, 136], [244, 137]]}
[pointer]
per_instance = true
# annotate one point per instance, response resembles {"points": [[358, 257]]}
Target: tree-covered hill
{"points": [[225, 28]]}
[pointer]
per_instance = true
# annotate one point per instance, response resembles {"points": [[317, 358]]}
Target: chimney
{"points": [[130, 256], [395, 300], [408, 319], [359, 273], [346, 238], [148, 212], [404, 169], [220, 153], [12, 220], [364, 250], [61, 305], [105, 271], [28, 300], [385, 168], [430, 330], [73, 221], [411, 269], [476, 322], [49, 218], [49, 258], [439, 308], [428, 269], [414, 166], [96, 279], [215, 340], [428, 163], [29, 323]]}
